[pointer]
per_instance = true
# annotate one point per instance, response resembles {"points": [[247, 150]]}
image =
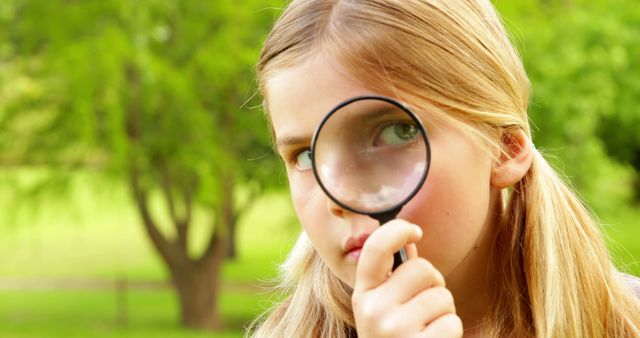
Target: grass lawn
{"points": [[150, 313]]}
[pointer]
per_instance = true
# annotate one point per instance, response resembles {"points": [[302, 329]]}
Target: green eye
{"points": [[398, 133], [303, 160]]}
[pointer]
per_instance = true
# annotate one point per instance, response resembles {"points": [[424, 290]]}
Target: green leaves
{"points": [[583, 58], [180, 73], [73, 75]]}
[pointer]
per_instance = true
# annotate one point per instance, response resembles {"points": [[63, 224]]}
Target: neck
{"points": [[471, 294]]}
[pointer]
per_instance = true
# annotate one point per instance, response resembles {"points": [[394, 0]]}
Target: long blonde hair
{"points": [[455, 60]]}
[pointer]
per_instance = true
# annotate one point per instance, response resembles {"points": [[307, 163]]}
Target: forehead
{"points": [[299, 97]]}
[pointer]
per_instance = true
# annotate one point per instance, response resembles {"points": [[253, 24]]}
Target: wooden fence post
{"points": [[122, 315]]}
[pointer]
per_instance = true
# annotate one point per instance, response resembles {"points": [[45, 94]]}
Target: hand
{"points": [[412, 301]]}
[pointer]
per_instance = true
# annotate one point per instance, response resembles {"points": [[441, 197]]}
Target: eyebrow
{"points": [[292, 140]]}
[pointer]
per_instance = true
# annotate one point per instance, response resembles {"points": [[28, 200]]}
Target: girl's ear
{"points": [[514, 160]]}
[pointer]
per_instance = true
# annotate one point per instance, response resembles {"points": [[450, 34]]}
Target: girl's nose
{"points": [[357, 222], [335, 209]]}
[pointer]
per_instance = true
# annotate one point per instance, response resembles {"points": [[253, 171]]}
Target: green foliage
{"points": [[583, 58], [157, 93], [167, 84]]}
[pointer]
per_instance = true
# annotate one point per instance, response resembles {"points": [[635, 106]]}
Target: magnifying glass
{"points": [[371, 155]]}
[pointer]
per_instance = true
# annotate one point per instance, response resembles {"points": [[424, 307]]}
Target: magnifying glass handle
{"points": [[400, 256]]}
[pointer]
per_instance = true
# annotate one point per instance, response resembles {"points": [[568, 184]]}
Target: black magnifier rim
{"points": [[413, 117]]}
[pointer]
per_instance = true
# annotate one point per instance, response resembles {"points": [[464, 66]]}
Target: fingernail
{"points": [[418, 231]]}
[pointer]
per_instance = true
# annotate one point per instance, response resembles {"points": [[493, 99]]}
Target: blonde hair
{"points": [[455, 60]]}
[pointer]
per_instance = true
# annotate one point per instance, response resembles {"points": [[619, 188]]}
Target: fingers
{"points": [[431, 313], [411, 250], [449, 325], [376, 259], [424, 309], [431, 304], [411, 277], [411, 301]]}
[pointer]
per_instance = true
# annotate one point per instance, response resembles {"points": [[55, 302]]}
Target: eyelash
{"points": [[292, 159]]}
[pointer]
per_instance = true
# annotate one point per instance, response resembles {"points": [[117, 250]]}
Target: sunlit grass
{"points": [[149, 313]]}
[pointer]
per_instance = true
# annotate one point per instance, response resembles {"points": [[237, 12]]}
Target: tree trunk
{"points": [[231, 251], [197, 290], [197, 281]]}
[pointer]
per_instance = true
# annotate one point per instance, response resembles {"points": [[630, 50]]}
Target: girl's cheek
{"points": [[302, 185]]}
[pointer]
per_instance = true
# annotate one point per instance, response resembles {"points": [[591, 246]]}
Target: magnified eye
{"points": [[398, 133], [303, 160]]}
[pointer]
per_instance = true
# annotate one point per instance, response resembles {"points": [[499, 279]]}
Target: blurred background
{"points": [[140, 197]]}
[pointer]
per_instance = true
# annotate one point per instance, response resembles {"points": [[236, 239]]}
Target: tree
{"points": [[157, 93], [582, 58]]}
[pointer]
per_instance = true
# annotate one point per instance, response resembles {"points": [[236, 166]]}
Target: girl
{"points": [[497, 243]]}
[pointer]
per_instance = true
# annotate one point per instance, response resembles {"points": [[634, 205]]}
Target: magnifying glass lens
{"points": [[371, 155]]}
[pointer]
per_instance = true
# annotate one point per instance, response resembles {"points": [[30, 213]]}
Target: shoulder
{"points": [[633, 282]]}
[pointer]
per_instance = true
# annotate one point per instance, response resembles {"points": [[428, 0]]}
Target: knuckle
{"points": [[372, 250], [373, 318], [399, 222], [452, 324], [424, 266], [406, 226], [431, 273], [423, 270], [444, 296], [386, 327], [366, 309]]}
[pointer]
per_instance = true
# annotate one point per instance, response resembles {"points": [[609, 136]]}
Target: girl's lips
{"points": [[354, 254], [353, 245]]}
